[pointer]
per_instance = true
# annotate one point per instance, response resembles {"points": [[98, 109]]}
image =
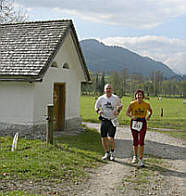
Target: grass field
{"points": [[174, 113]]}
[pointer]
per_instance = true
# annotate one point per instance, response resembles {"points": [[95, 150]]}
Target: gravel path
{"points": [[105, 181]]}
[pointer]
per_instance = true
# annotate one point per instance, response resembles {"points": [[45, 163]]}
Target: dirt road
{"points": [[106, 181]]}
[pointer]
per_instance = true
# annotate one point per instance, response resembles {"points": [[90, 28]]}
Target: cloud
{"points": [[172, 52], [136, 15], [178, 62], [133, 13]]}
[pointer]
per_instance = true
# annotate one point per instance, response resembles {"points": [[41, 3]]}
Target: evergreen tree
{"points": [[184, 88], [102, 83], [96, 88]]}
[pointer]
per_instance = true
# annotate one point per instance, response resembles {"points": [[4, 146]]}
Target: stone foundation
{"points": [[26, 131], [73, 123], [35, 131]]}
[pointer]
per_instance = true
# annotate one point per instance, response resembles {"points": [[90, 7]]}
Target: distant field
{"points": [[174, 112]]}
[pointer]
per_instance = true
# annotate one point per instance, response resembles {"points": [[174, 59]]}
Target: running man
{"points": [[108, 106]]}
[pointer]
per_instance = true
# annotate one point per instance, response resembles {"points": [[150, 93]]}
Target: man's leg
{"points": [[111, 143], [103, 130], [104, 141], [112, 147], [105, 146], [111, 134]]}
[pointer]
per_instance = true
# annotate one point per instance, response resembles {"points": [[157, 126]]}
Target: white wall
{"points": [[16, 102], [72, 77]]}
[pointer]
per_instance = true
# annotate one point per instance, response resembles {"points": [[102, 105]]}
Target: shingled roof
{"points": [[27, 49]]}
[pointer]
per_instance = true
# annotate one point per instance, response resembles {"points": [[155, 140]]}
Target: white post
{"points": [[14, 144]]}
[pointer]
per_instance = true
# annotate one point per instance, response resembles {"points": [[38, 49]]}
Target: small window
{"points": [[66, 66], [54, 64]]}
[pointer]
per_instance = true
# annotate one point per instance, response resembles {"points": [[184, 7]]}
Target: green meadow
{"points": [[174, 113]]}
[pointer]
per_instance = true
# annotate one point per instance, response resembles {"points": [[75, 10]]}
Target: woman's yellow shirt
{"points": [[139, 110]]}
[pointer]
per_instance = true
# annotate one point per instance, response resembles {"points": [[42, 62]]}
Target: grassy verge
{"points": [[33, 161], [150, 180], [177, 134], [174, 113]]}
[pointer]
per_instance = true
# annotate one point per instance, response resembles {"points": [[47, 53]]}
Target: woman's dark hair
{"points": [[139, 91]]}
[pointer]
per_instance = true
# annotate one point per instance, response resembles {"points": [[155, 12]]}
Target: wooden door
{"points": [[59, 106]]}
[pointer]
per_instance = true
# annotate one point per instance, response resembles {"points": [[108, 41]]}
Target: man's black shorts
{"points": [[107, 128]]}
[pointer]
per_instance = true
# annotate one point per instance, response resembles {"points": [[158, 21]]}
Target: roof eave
{"points": [[21, 79]]}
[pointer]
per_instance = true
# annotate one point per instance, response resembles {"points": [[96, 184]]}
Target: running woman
{"points": [[139, 111]]}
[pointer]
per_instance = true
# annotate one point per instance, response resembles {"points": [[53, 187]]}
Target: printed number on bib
{"points": [[137, 125], [115, 122]]}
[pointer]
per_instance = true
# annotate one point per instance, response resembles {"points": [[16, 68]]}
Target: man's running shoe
{"points": [[106, 156], [112, 156], [140, 163], [134, 159]]}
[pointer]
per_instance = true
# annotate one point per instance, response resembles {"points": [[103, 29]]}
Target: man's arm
{"points": [[97, 107], [119, 107]]}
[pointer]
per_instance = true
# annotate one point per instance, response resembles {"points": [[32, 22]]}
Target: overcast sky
{"points": [[153, 28]]}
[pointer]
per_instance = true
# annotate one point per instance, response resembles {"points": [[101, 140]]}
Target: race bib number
{"points": [[137, 125], [115, 122]]}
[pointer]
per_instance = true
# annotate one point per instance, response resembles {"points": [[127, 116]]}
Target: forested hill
{"points": [[102, 58]]}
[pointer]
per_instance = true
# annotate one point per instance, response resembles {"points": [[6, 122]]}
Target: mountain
{"points": [[102, 58]]}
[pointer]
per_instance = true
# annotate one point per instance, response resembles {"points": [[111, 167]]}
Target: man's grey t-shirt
{"points": [[108, 105]]}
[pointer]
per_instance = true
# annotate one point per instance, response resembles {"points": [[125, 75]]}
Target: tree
{"points": [[157, 78], [9, 14], [96, 87], [124, 76], [184, 88], [116, 83], [87, 88], [165, 87], [102, 83], [148, 87]]}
